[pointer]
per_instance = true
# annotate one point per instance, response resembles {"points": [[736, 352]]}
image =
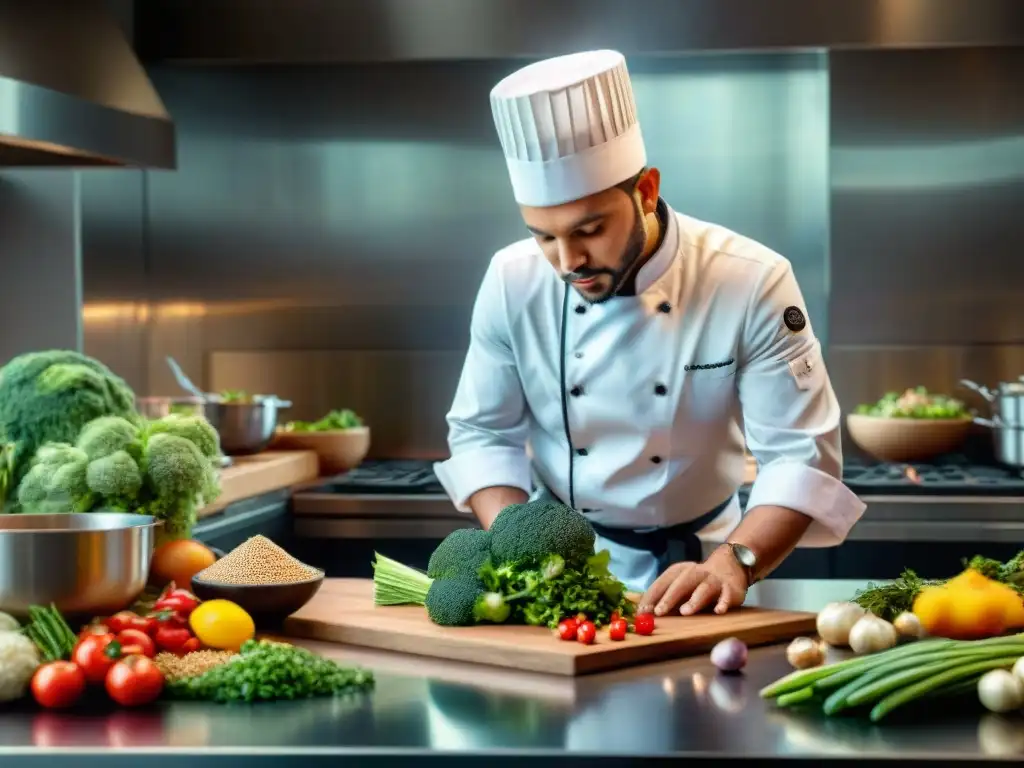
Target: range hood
{"points": [[72, 92], [243, 32]]}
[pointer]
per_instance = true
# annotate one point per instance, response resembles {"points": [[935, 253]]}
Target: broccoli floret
{"points": [[536, 529], [116, 477], [193, 428], [462, 552], [56, 482], [107, 435], [461, 601], [451, 602], [182, 480], [48, 397], [153, 472]]}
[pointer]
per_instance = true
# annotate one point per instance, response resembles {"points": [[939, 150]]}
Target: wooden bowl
{"points": [[337, 450], [902, 439], [268, 604]]}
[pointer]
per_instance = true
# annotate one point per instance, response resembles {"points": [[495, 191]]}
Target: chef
{"points": [[623, 356]]}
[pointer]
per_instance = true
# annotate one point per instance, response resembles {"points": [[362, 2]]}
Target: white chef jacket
{"points": [[666, 386]]}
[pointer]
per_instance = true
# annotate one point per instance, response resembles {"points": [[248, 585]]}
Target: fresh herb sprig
{"points": [[270, 671]]}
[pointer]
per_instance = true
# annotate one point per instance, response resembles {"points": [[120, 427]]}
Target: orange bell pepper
{"points": [[969, 607]]}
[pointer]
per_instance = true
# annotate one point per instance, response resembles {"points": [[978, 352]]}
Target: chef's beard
{"points": [[622, 276]]}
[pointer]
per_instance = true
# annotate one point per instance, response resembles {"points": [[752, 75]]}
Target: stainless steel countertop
{"points": [[676, 709]]}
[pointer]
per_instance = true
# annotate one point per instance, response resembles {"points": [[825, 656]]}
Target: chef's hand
{"points": [[718, 581]]}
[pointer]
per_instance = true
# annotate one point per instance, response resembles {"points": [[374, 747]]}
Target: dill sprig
{"points": [[887, 601]]}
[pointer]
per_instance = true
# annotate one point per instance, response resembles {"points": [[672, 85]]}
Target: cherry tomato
{"points": [[643, 624], [172, 639], [617, 629], [128, 620], [58, 684], [134, 681], [95, 655], [586, 632], [134, 638], [615, 615], [96, 628], [567, 629], [191, 645]]}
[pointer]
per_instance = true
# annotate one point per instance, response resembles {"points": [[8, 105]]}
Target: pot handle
{"points": [[985, 392]]}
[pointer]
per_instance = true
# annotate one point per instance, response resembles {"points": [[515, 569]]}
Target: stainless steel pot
{"points": [[1008, 442], [1007, 400], [245, 428], [91, 564]]}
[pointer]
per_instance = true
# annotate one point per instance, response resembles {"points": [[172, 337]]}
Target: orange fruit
{"points": [[179, 561]]}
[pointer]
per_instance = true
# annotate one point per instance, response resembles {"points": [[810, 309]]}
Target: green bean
{"points": [[909, 693], [795, 697], [794, 681], [878, 689]]}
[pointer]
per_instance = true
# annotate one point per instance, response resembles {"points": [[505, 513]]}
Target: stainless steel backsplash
{"points": [[328, 227], [927, 179]]}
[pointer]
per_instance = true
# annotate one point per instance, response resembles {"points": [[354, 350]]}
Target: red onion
{"points": [[730, 655]]}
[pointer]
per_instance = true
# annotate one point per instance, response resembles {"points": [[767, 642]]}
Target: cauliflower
{"points": [[164, 468], [19, 659], [47, 397]]}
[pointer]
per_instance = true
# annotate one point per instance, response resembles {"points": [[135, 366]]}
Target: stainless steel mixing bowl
{"points": [[247, 427], [92, 564]]}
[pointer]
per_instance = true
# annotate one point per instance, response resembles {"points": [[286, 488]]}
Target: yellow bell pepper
{"points": [[969, 607]]}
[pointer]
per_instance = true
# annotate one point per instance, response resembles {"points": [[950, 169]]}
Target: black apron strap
{"points": [[673, 544]]}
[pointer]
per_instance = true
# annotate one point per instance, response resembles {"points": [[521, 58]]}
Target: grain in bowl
{"points": [[257, 561]]}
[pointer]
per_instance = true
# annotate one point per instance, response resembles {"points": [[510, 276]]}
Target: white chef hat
{"points": [[568, 127]]}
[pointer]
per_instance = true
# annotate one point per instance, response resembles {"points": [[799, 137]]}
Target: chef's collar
{"points": [[658, 263]]}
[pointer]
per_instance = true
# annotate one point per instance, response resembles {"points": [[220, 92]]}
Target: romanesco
{"points": [[47, 397], [117, 465]]}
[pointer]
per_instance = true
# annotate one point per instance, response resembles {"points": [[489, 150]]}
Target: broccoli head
{"points": [[117, 465], [536, 529], [461, 552], [48, 397], [461, 601]]}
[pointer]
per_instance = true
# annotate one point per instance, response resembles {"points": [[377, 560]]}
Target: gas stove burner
{"points": [[405, 476], [952, 477]]}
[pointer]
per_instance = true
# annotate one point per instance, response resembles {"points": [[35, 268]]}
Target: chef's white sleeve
{"points": [[791, 415], [487, 423]]}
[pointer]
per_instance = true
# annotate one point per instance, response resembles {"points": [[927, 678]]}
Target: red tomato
{"points": [[617, 629], [171, 638], [134, 681], [58, 684], [96, 654], [643, 624], [586, 632], [119, 622], [134, 638], [567, 629], [96, 628]]}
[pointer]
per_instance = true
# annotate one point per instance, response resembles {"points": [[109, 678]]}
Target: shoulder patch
{"points": [[794, 319]]}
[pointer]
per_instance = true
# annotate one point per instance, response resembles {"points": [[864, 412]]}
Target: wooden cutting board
{"points": [[250, 476], [343, 612]]}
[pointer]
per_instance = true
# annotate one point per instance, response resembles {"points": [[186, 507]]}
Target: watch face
{"points": [[745, 555]]}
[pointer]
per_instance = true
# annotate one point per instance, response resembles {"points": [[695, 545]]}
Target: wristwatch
{"points": [[746, 559]]}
